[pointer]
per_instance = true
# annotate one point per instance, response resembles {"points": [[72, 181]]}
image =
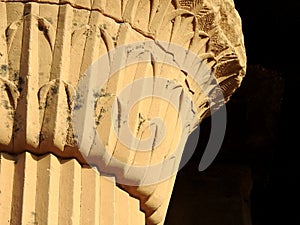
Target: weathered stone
{"points": [[46, 48], [48, 190]]}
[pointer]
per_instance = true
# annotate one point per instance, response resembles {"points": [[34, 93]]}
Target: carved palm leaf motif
{"points": [[46, 47]]}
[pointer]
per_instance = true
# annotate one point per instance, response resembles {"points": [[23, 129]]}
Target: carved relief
{"points": [[46, 47]]}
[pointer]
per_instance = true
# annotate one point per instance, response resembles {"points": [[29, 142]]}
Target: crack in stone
{"points": [[149, 35]]}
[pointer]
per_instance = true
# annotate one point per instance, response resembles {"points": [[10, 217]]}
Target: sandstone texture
{"points": [[48, 190], [46, 49]]}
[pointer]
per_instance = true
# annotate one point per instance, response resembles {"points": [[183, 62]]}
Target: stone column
{"points": [[52, 170]]}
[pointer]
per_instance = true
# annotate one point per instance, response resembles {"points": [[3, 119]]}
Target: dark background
{"points": [[254, 179]]}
